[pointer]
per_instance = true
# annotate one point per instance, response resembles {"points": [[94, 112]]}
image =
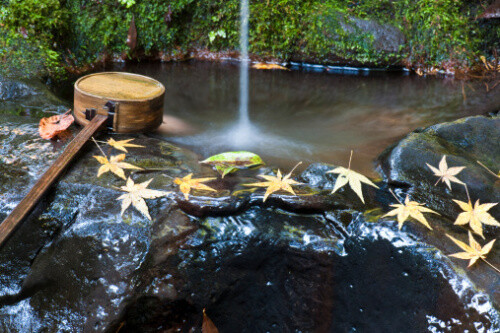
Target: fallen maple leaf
{"points": [[208, 325], [122, 144], [50, 127], [136, 195], [187, 183], [410, 209], [445, 174], [473, 251], [277, 183], [352, 177], [231, 161], [115, 165], [262, 65], [476, 215]]}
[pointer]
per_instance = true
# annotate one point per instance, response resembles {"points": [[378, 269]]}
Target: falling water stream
{"points": [[241, 134], [244, 119]]}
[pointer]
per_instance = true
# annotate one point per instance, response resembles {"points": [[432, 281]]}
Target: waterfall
{"points": [[243, 127], [244, 119]]}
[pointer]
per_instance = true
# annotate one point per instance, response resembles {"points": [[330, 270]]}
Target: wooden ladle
{"points": [[116, 101]]}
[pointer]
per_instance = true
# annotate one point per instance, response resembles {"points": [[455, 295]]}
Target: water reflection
{"points": [[308, 116]]}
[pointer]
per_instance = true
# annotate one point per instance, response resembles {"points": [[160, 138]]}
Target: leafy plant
{"points": [[127, 3], [213, 34]]}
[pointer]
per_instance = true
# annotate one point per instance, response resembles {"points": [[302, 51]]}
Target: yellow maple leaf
{"points": [[352, 177], [136, 195], [277, 183], [187, 183], [115, 165], [445, 174], [120, 145], [262, 65], [473, 251], [410, 209], [475, 216]]}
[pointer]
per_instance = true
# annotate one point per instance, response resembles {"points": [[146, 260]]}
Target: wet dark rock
{"points": [[71, 266], [267, 270], [10, 90], [309, 263], [464, 142], [317, 177], [314, 196], [26, 97]]}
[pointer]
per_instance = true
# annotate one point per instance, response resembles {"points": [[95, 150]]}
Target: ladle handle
{"points": [[15, 218]]}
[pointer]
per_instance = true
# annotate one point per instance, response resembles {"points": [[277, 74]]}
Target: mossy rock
{"points": [[464, 142]]}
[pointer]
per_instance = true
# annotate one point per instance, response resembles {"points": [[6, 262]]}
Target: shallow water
{"points": [[308, 116]]}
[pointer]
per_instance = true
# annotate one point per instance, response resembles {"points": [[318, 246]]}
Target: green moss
{"points": [[29, 37], [48, 35], [333, 35]]}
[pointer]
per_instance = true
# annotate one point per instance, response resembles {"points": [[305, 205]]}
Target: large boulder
{"points": [[465, 142], [71, 265], [312, 262], [267, 270], [27, 96], [335, 38]]}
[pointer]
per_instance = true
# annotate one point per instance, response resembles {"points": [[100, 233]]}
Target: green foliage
{"points": [[332, 31], [127, 3], [41, 18], [28, 43], [22, 57], [276, 26], [96, 28], [76, 33], [439, 30]]}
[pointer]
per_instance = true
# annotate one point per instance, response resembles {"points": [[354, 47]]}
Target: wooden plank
{"points": [[15, 218]]}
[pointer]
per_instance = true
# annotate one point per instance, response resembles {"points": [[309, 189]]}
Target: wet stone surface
{"points": [[464, 142], [268, 271], [316, 262]]}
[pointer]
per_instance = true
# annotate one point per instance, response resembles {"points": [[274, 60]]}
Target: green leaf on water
{"points": [[231, 161]]}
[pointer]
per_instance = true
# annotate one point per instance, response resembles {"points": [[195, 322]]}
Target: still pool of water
{"points": [[308, 116]]}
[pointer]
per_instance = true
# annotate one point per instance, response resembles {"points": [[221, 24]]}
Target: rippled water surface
{"points": [[310, 116]]}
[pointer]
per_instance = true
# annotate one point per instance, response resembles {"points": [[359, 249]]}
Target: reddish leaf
{"points": [[208, 325], [50, 127]]}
